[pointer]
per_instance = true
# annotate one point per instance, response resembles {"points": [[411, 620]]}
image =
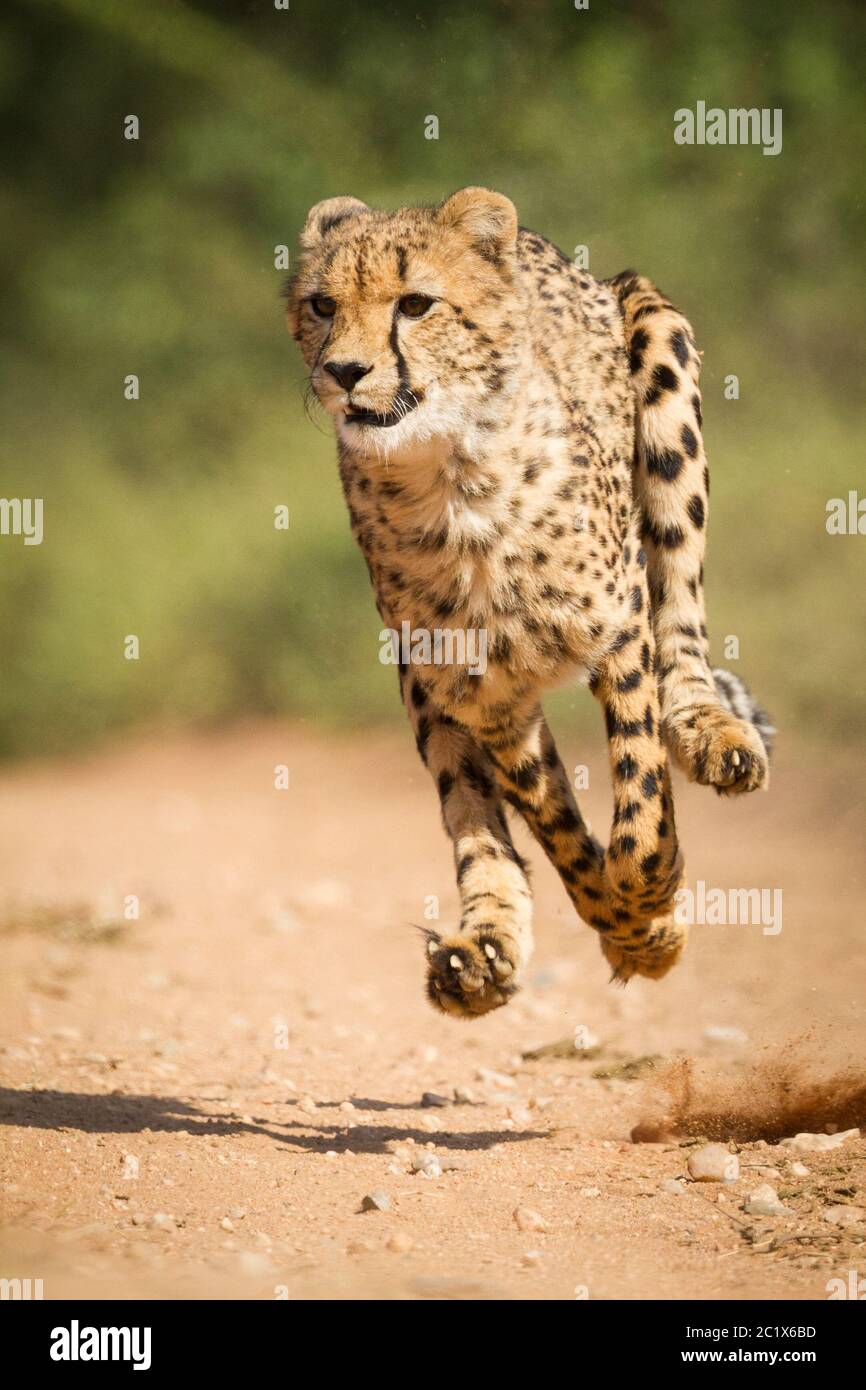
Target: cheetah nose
{"points": [[348, 374]]}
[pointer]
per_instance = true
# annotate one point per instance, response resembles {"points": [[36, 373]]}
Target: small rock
{"points": [[815, 1143], [713, 1163], [307, 1105], [162, 1222], [129, 1166], [237, 1213], [430, 1100], [376, 1201], [519, 1114], [590, 1192], [845, 1216], [400, 1243], [799, 1170], [532, 1259], [764, 1201], [673, 1186], [427, 1164], [227, 1223], [529, 1220], [347, 1107], [463, 1095]]}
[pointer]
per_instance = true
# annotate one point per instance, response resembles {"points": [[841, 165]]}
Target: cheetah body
{"points": [[523, 457]]}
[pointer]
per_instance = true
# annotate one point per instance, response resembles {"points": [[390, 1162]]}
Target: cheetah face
{"points": [[411, 323]]}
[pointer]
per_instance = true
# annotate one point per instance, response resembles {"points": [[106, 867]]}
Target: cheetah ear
{"points": [[328, 214], [488, 219]]}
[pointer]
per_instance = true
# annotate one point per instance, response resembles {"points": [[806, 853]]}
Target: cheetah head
{"points": [[411, 322]]}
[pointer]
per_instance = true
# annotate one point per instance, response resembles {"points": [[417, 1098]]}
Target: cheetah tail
{"points": [[736, 697]]}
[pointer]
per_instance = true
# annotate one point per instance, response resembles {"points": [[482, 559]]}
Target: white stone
{"points": [[713, 1163], [764, 1201], [815, 1143]]}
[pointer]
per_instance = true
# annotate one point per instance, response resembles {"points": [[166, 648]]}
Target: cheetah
{"points": [[520, 452]]}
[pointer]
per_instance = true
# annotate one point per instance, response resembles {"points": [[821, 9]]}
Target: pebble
{"points": [[376, 1201], [713, 1163], [673, 1186], [590, 1192], [764, 1201], [845, 1216], [162, 1222], [815, 1143], [227, 1223], [401, 1243], [799, 1170], [532, 1259], [307, 1105], [463, 1095], [427, 1164], [520, 1114], [431, 1100], [129, 1166], [529, 1220], [347, 1107]]}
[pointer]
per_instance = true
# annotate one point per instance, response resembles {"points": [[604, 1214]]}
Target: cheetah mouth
{"points": [[405, 401]]}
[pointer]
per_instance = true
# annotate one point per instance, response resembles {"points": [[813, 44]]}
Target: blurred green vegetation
{"points": [[156, 257]]}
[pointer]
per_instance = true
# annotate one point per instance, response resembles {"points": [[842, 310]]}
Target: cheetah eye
{"points": [[322, 306], [414, 306]]}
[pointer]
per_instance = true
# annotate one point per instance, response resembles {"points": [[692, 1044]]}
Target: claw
{"points": [[490, 951], [456, 963]]}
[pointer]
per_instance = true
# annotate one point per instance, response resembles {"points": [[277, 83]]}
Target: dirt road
{"points": [[197, 1102]]}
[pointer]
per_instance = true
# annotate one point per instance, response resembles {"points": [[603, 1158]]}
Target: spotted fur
{"points": [[524, 455]]}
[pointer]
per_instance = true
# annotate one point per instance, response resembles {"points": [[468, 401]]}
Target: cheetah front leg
{"points": [[478, 967], [625, 894]]}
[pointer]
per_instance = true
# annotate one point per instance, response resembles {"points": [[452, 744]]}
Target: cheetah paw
{"points": [[470, 974], [718, 750], [652, 955]]}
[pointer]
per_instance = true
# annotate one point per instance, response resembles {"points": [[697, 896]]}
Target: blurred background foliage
{"points": [[156, 257]]}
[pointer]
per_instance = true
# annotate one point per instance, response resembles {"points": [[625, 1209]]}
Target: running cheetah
{"points": [[520, 451]]}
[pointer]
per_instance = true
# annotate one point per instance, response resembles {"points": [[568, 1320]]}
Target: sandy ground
{"points": [[197, 1102]]}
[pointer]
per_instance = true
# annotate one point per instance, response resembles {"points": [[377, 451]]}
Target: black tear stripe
{"points": [[404, 396], [401, 262], [402, 374]]}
